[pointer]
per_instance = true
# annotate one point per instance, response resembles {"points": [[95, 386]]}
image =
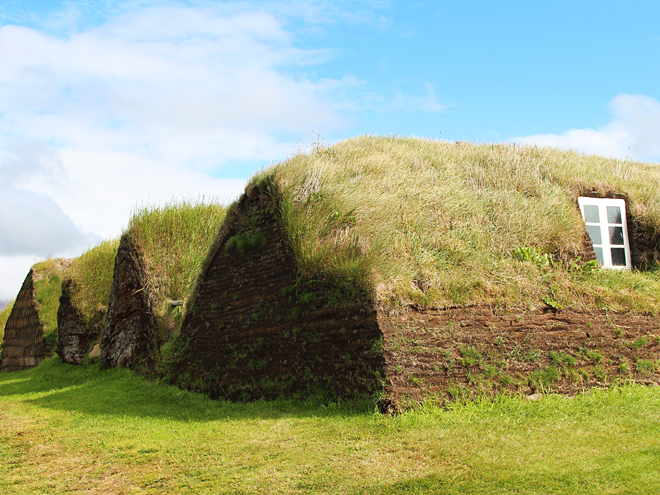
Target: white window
{"points": [[606, 224]]}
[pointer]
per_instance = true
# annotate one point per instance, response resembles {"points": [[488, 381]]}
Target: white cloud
{"points": [[427, 102], [30, 161], [151, 75], [34, 224], [633, 133], [13, 270], [143, 108]]}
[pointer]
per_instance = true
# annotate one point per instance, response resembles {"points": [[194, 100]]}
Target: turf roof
{"points": [[436, 224]]}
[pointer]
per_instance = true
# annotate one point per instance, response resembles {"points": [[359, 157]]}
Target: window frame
{"points": [[604, 227]]}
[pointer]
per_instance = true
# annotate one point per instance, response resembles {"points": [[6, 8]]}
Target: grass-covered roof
{"points": [[91, 274], [433, 223], [173, 241]]}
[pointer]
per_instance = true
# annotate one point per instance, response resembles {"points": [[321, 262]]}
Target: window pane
{"points": [[591, 214], [614, 214], [599, 255], [618, 257], [616, 235], [594, 233]]}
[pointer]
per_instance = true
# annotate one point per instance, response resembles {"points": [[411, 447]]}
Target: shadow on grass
{"points": [[435, 483], [120, 392], [490, 482]]}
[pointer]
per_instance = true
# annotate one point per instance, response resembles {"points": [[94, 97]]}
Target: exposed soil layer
{"points": [[256, 330], [23, 345], [129, 338], [74, 337], [459, 353]]}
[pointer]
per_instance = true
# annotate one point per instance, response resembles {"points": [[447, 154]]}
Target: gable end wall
{"points": [[129, 338], [73, 335], [250, 337], [23, 345]]}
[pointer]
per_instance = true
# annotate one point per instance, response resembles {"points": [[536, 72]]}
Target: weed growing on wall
{"points": [[245, 242]]}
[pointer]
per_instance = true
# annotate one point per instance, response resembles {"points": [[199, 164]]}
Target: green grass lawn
{"points": [[68, 429]]}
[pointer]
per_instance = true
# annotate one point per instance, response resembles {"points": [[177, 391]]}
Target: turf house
{"points": [[30, 322], [395, 269]]}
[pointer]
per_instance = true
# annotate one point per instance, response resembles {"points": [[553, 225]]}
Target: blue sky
{"points": [[109, 105]]}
